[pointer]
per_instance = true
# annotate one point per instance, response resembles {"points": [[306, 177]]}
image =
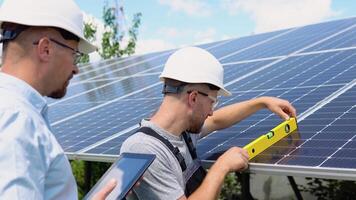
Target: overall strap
{"points": [[191, 147], [197, 177], [173, 149]]}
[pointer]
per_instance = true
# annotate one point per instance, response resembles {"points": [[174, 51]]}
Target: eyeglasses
{"points": [[214, 100], [77, 55]]}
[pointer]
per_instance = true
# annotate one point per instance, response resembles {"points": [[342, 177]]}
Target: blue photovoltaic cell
{"points": [[212, 44], [241, 43], [103, 63], [332, 136], [133, 66], [231, 71], [130, 65], [334, 140], [112, 70], [344, 40], [151, 93], [110, 92], [301, 71], [293, 41], [112, 147], [76, 88], [85, 130]]}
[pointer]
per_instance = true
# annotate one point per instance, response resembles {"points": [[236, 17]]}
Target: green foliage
{"points": [[231, 188], [79, 174], [112, 37], [133, 32], [98, 169], [325, 189], [87, 174], [89, 34]]}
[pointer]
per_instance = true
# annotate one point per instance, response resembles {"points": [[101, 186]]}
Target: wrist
{"points": [[261, 102], [221, 167]]}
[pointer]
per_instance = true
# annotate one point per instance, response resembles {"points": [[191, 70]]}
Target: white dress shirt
{"points": [[32, 163]]}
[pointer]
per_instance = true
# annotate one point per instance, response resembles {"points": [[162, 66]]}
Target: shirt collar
{"points": [[23, 89]]}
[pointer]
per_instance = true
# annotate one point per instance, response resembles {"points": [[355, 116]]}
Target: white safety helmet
{"points": [[64, 14], [195, 65]]}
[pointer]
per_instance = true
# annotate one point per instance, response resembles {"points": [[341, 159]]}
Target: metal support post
{"points": [[295, 187], [244, 179]]}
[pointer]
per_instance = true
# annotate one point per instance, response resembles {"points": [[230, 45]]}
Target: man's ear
{"points": [[43, 49], [192, 98]]}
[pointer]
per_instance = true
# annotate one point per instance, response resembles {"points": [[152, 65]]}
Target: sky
{"points": [[168, 24]]}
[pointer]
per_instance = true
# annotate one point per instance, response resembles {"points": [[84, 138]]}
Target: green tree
{"points": [[112, 37], [89, 34]]}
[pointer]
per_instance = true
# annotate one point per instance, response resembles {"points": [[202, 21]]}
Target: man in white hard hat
{"points": [[42, 43], [193, 79]]}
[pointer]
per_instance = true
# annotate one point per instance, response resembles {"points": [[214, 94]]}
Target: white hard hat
{"points": [[195, 65], [64, 14]]}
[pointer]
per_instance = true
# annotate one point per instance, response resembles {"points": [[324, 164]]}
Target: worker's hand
{"points": [[234, 159], [105, 191], [279, 106]]}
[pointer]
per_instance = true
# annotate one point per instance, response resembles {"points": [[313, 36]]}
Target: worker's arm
{"points": [[231, 114]]}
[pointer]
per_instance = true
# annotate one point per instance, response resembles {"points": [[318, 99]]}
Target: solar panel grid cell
{"points": [[344, 40], [104, 93], [328, 139], [77, 133], [292, 41]]}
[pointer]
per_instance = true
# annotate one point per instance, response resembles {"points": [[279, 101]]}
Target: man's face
{"points": [[204, 108], [63, 66]]}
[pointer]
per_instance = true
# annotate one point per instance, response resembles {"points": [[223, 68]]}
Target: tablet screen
{"points": [[126, 170]]}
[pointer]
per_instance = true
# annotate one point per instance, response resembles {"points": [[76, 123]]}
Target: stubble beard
{"points": [[58, 94], [196, 126]]}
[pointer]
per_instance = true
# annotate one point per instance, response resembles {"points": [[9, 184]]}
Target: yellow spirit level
{"points": [[263, 142]]}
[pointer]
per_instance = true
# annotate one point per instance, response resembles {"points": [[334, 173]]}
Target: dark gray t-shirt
{"points": [[164, 178]]}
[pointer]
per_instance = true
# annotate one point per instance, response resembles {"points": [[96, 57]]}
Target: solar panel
{"points": [[327, 137], [313, 66]]}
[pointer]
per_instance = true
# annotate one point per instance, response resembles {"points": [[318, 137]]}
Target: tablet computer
{"points": [[127, 170]]}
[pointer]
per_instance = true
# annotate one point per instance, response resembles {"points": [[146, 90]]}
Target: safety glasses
{"points": [[77, 55], [214, 100]]}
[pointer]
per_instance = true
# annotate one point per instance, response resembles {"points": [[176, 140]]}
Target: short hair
{"points": [[173, 82], [12, 30], [66, 34], [175, 86]]}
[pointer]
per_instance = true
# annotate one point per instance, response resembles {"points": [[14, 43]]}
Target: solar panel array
{"points": [[313, 66]]}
